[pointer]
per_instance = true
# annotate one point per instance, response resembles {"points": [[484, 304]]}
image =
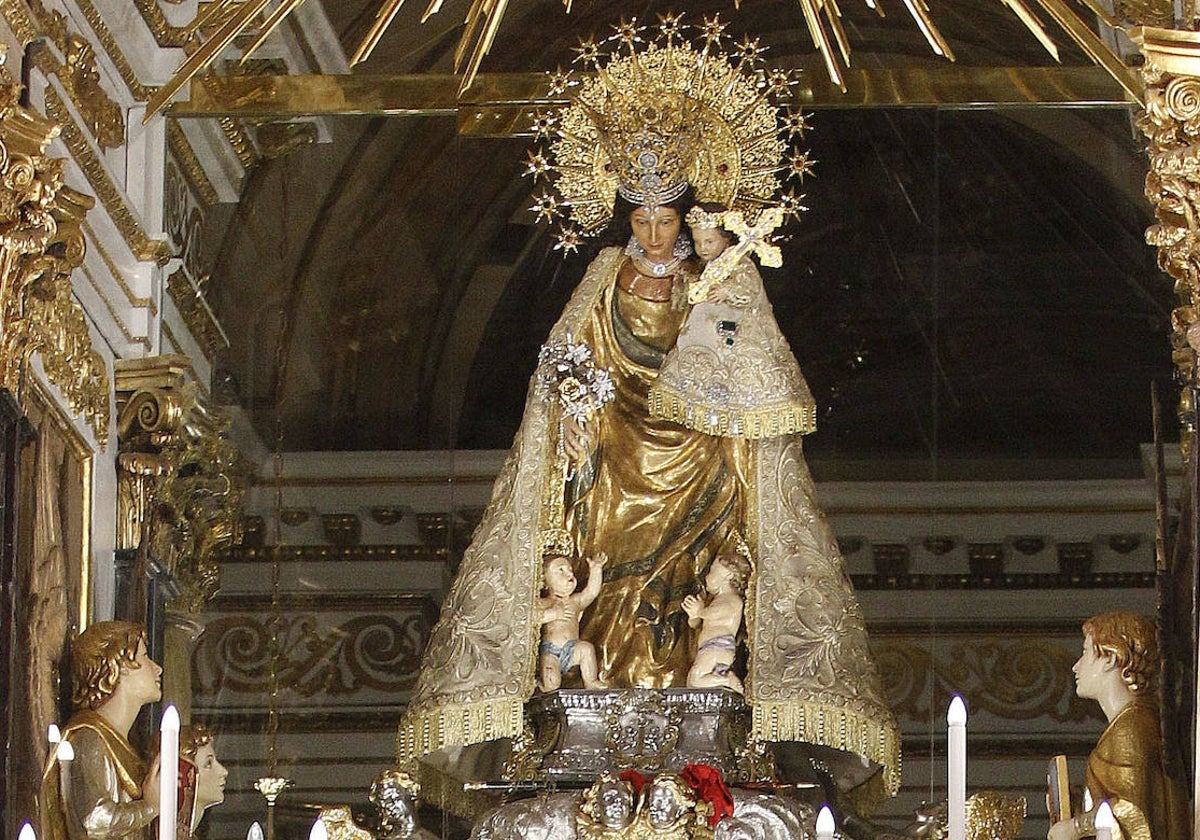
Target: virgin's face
{"points": [[210, 777], [656, 231]]}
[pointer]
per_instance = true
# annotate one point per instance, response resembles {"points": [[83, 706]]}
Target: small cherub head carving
{"points": [[394, 793], [667, 799], [609, 802]]}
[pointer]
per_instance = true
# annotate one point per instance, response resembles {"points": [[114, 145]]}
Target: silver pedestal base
{"points": [[578, 734]]}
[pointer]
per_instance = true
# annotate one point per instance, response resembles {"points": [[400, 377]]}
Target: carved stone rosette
{"points": [[41, 243], [180, 485], [1171, 121]]}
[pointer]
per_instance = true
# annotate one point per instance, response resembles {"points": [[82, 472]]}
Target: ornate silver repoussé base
{"points": [[578, 734]]}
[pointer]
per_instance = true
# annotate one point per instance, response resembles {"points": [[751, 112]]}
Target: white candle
{"points": [[168, 774], [1104, 821], [318, 831], [826, 828], [65, 751], [255, 832], [26, 833], [53, 735], [1087, 800], [956, 757]]}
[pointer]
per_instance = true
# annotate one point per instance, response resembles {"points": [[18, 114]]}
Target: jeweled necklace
{"points": [[657, 269]]}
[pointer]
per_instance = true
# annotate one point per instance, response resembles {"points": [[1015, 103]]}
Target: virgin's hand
{"points": [[578, 440]]}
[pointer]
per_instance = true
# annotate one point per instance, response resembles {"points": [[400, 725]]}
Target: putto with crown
{"points": [[660, 114]]}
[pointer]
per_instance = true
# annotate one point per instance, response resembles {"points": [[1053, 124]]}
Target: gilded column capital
{"points": [[41, 244], [1171, 122], [180, 481]]}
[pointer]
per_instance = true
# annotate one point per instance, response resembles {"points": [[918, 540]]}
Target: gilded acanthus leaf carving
{"points": [[80, 78], [180, 485], [41, 243], [1171, 121]]}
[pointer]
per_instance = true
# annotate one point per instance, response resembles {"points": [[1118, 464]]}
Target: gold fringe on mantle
{"points": [[839, 728], [422, 732], [785, 419]]}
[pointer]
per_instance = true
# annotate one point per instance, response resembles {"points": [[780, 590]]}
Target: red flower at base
{"points": [[635, 779], [706, 781]]}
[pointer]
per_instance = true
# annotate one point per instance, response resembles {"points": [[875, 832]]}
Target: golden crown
{"points": [[556, 542], [660, 115], [700, 219]]}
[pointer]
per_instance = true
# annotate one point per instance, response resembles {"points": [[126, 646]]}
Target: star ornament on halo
{"points": [[568, 239], [670, 26], [713, 30], [749, 51], [560, 82], [543, 123], [628, 32], [792, 204], [537, 165], [799, 165], [546, 206], [795, 123], [588, 52], [780, 81]]}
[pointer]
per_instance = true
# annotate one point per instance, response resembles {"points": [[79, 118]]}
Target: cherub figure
{"points": [[607, 808], [561, 606], [719, 621], [668, 808]]}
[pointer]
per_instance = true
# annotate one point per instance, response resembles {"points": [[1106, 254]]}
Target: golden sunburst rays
{"points": [[637, 94], [226, 20]]}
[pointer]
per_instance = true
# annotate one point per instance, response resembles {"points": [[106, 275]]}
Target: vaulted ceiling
{"points": [[969, 285]]}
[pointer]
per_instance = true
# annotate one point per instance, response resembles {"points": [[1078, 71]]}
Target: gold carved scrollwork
{"points": [[180, 483], [1171, 121], [41, 243], [1023, 679], [81, 80]]}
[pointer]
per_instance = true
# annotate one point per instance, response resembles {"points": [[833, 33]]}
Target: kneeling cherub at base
{"points": [[561, 606], [719, 621]]}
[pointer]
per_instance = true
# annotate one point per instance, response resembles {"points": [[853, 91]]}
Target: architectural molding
{"points": [[184, 155], [103, 117], [111, 197], [41, 245]]}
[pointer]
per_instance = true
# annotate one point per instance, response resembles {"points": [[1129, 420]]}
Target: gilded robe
{"points": [[98, 797], [1126, 768], [667, 498]]}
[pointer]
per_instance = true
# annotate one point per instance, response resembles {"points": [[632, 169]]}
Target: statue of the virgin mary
{"points": [[658, 126]]}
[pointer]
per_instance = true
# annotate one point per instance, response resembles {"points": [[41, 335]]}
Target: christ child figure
{"points": [[561, 607], [731, 372], [719, 621]]}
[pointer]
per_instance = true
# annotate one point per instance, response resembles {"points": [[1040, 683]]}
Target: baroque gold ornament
{"points": [[1171, 122], [657, 116], [41, 243]]}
